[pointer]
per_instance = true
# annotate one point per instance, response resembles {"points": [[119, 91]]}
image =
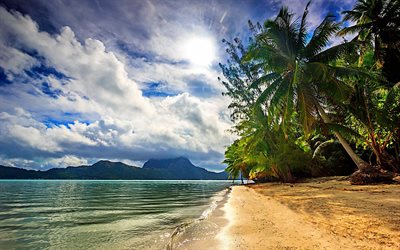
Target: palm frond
{"points": [[269, 91], [334, 52], [353, 72], [354, 29], [321, 36], [393, 96], [302, 33], [351, 15], [264, 79], [306, 108]]}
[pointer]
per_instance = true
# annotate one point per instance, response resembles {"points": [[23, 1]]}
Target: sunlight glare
{"points": [[200, 51]]}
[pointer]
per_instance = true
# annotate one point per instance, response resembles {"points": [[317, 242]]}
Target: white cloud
{"points": [[66, 161], [19, 163], [14, 61], [180, 78], [44, 163], [122, 124], [107, 67], [89, 65], [21, 128]]}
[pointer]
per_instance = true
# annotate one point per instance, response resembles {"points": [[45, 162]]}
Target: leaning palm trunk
{"points": [[360, 163], [366, 173], [296, 70]]}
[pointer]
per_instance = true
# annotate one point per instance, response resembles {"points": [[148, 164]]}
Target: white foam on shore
{"points": [[223, 235], [185, 230], [215, 200]]}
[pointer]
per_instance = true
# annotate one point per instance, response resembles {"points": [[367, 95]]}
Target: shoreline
{"points": [[321, 213], [203, 232]]}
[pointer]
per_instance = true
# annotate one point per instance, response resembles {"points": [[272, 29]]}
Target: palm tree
{"points": [[377, 22], [262, 149], [375, 116], [296, 72], [234, 158]]}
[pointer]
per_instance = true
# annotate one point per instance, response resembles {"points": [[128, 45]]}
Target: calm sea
{"points": [[47, 214]]}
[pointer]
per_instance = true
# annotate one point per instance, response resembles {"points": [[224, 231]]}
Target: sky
{"points": [[84, 80]]}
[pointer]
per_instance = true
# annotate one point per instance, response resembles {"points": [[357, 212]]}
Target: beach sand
{"points": [[325, 213]]}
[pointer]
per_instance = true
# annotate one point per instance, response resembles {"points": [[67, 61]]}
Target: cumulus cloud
{"points": [[45, 163], [88, 79], [88, 65], [14, 61], [21, 128], [75, 90]]}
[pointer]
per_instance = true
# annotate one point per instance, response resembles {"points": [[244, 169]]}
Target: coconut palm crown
{"points": [[297, 73]]}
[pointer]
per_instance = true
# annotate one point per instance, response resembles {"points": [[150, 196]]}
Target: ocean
{"points": [[86, 214]]}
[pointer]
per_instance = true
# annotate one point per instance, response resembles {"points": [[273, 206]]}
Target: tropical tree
{"points": [[238, 77], [374, 115], [254, 152], [377, 26], [235, 158], [288, 86], [297, 74], [263, 151], [377, 23], [231, 160]]}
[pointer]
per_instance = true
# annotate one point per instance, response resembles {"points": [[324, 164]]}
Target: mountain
{"points": [[182, 169], [164, 169]]}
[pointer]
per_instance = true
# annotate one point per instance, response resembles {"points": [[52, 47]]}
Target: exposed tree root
{"points": [[370, 175]]}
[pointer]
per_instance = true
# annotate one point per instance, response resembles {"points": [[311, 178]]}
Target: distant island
{"points": [[154, 169]]}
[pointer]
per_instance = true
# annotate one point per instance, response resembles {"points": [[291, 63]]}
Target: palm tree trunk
{"points": [[378, 53], [360, 163]]}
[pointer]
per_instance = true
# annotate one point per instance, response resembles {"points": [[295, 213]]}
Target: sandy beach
{"points": [[322, 214]]}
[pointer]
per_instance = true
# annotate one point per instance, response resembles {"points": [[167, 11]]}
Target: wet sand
{"points": [[326, 213], [203, 233]]}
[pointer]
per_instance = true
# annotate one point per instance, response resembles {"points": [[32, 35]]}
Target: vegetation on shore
{"points": [[303, 105]]}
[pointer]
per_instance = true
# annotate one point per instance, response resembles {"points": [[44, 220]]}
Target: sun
{"points": [[199, 51]]}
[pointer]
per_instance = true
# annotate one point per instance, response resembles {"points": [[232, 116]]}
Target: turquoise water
{"points": [[47, 214]]}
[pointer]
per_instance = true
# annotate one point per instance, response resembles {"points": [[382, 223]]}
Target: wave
{"points": [[178, 237]]}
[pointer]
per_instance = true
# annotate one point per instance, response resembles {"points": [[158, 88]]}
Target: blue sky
{"points": [[121, 80]]}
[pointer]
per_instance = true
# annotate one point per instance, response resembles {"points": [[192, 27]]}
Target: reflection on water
{"points": [[39, 214]]}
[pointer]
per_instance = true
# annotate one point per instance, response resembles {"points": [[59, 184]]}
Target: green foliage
{"points": [[376, 24], [297, 73], [329, 158], [289, 161], [288, 87], [238, 77]]}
